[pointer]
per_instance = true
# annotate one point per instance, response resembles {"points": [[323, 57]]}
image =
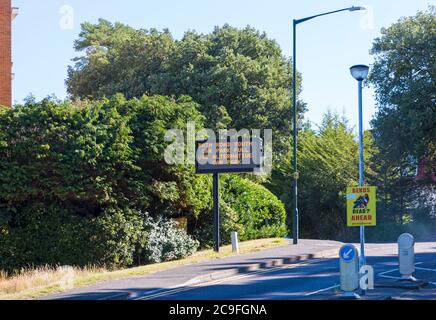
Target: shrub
{"points": [[165, 242], [245, 207], [54, 236], [73, 176], [229, 222]]}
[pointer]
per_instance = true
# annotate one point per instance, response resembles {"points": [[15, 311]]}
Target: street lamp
{"points": [[360, 72], [295, 230]]}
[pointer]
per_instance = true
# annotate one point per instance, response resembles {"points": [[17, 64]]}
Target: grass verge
{"points": [[30, 284]]}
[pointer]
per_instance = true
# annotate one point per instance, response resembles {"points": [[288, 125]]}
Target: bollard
{"points": [[406, 256], [235, 245], [349, 270]]}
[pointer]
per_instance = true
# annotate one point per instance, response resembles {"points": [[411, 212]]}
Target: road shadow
{"points": [[291, 282]]}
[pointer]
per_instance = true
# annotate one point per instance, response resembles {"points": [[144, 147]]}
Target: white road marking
{"points": [[426, 269], [389, 277], [388, 271], [383, 274], [321, 290], [114, 296], [136, 296]]}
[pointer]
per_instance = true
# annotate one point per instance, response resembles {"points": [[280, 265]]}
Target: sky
{"points": [[45, 31]]}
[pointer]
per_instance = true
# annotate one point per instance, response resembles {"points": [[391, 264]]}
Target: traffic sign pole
{"points": [[216, 213]]}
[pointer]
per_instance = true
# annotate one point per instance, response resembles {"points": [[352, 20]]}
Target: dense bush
{"points": [[54, 236], [245, 207], [260, 213], [203, 228], [57, 153], [165, 241], [75, 176]]}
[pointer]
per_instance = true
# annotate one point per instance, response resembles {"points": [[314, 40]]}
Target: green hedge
{"points": [[260, 213], [54, 236], [75, 177]]}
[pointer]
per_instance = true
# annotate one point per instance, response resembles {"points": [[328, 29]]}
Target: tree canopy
{"points": [[403, 75], [240, 78]]}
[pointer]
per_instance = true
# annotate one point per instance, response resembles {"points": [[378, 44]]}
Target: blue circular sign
{"points": [[348, 252]]}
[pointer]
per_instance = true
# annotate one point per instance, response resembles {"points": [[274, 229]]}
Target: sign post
{"points": [[361, 212], [225, 156], [216, 213]]}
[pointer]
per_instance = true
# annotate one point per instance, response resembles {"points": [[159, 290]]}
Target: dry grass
{"points": [[41, 277], [28, 284]]}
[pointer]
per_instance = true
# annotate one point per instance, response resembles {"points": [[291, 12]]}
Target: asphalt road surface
{"points": [[314, 279]]}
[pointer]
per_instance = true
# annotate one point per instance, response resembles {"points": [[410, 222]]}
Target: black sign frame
{"points": [[231, 168]]}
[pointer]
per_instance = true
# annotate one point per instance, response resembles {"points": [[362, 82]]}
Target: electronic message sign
{"points": [[231, 155]]}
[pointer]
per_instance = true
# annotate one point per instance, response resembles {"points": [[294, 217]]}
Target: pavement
{"points": [[307, 271]]}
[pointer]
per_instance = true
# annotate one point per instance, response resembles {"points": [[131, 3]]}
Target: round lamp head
{"points": [[359, 72]]}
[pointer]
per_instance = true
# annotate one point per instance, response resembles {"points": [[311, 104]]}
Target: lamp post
{"points": [[360, 72], [295, 227]]}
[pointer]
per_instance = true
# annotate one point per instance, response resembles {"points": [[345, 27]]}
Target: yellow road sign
{"points": [[361, 206]]}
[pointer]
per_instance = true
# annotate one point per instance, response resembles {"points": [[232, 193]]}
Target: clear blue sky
{"points": [[327, 46]]}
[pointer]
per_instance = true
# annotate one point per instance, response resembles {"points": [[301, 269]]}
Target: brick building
{"points": [[7, 14]]}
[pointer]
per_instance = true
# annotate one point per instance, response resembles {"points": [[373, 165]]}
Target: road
{"points": [[313, 279]]}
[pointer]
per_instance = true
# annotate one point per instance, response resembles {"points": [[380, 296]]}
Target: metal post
{"points": [[235, 244], [295, 216], [216, 213], [362, 260], [295, 227]]}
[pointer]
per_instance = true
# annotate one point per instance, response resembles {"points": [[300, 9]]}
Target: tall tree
{"points": [[328, 161], [240, 78], [404, 79]]}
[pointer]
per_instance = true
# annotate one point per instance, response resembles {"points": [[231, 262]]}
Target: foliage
{"points": [[72, 176], [173, 190], [404, 79], [260, 213], [75, 176], [404, 127], [52, 235], [245, 207], [165, 241], [239, 77], [57, 153], [328, 163], [202, 228]]}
